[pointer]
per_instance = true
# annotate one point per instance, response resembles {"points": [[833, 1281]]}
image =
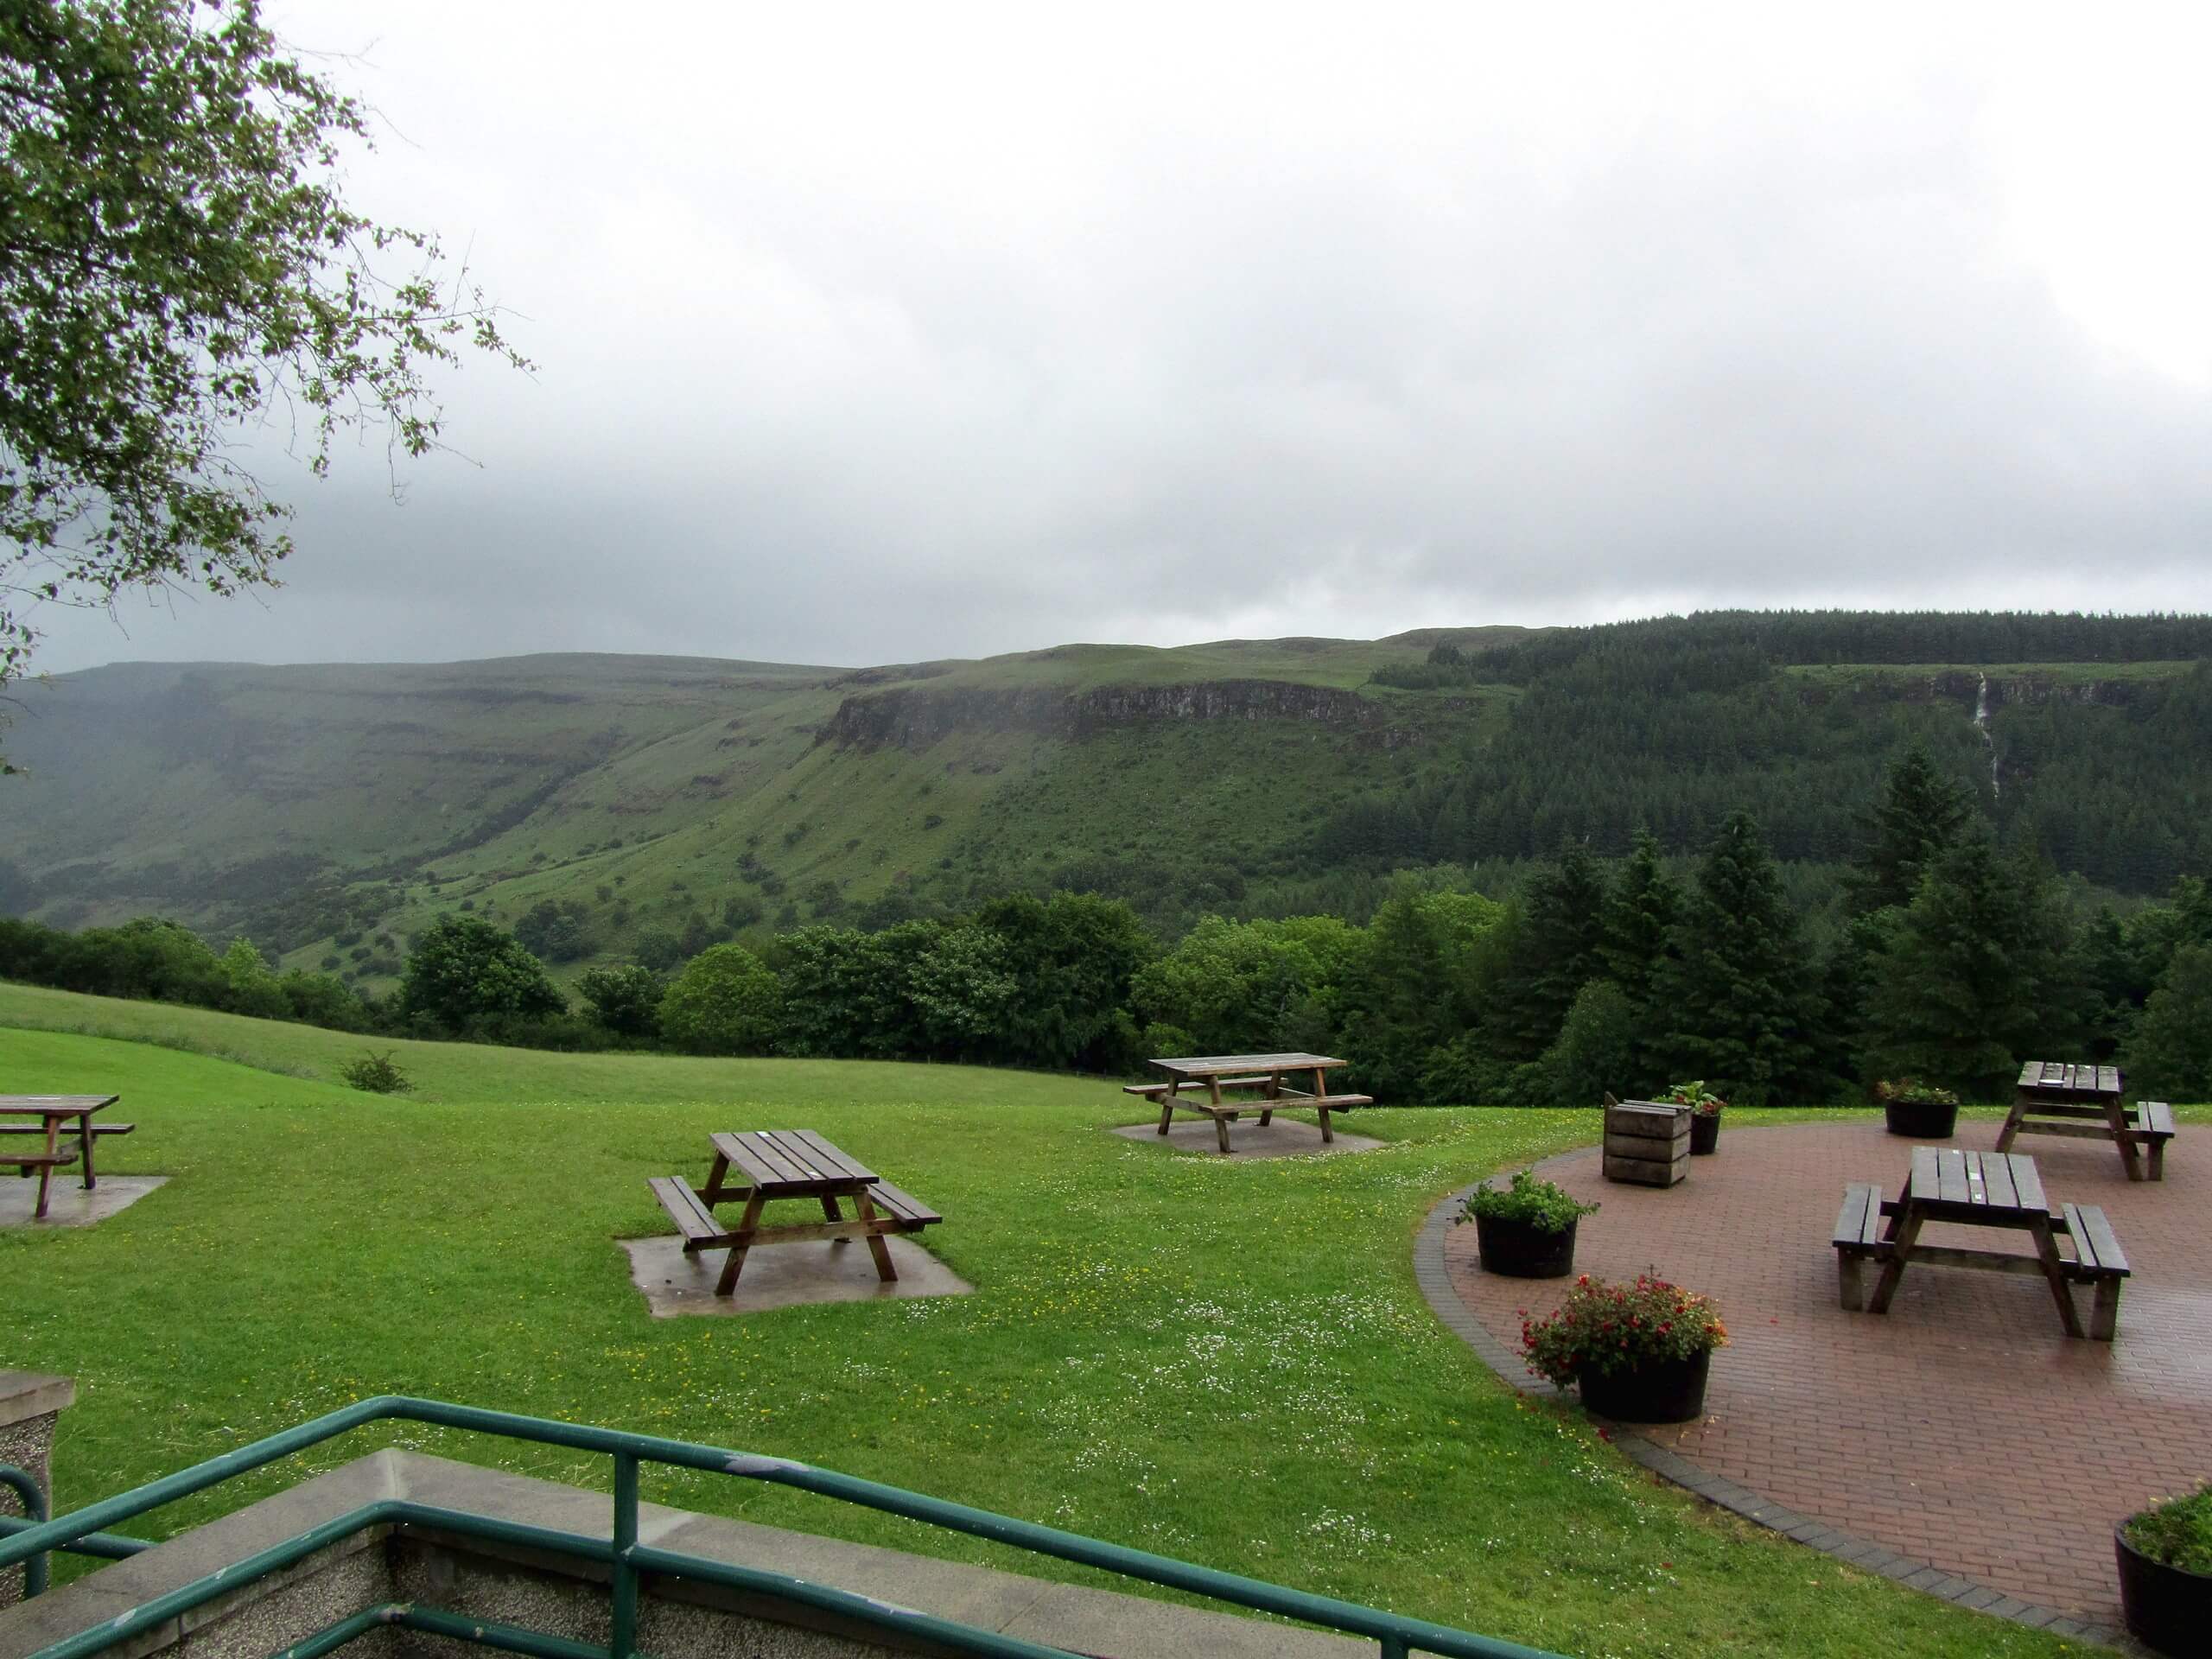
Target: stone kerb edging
{"points": [[1435, 1282]]}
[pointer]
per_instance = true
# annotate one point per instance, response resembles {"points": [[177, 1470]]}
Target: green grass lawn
{"points": [[1225, 1362]]}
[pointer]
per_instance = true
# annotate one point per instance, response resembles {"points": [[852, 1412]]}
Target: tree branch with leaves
{"points": [[177, 264]]}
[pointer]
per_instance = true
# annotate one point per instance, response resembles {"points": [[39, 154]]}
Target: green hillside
{"points": [[332, 811]]}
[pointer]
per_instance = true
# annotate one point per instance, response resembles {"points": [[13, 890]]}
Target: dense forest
{"points": [[1668, 726], [1950, 959]]}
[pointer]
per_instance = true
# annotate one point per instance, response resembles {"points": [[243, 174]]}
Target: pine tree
{"points": [[1734, 997], [1556, 950], [2171, 1054], [1975, 976], [1921, 814]]}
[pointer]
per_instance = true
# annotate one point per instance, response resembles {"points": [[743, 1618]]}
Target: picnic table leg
{"points": [[1906, 1224], [734, 1264], [877, 1247], [1327, 1134], [2116, 1118], [2104, 1311], [829, 1208], [1166, 1109], [85, 1139], [1221, 1131], [1273, 1091], [2006, 1135], [713, 1193], [2046, 1253]]}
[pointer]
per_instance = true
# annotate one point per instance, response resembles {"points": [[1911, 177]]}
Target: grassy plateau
{"points": [[1228, 1362]]}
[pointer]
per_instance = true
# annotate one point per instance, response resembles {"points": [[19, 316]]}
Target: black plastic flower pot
{"points": [[1704, 1132], [1521, 1249], [1666, 1391], [1921, 1120], [2166, 1608]]}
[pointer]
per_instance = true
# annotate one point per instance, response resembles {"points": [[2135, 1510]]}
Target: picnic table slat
{"points": [[759, 1166], [1212, 1066], [830, 1157], [2026, 1183], [772, 1156], [1951, 1178], [799, 1155], [1997, 1176]]}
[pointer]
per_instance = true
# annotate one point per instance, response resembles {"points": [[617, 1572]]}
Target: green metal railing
{"points": [[626, 1558]]}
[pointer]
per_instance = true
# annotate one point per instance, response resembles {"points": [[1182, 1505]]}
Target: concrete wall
{"points": [[550, 1593], [30, 1402]]}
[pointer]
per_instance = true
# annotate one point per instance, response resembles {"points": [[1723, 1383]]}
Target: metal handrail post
{"points": [[623, 1641], [37, 1567]]}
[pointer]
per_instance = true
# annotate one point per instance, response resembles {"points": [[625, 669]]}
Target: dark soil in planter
{"points": [[1704, 1132], [1520, 1249], [1921, 1120], [1671, 1391], [2166, 1608]]}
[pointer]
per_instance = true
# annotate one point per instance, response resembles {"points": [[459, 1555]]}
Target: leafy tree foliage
{"points": [[178, 263], [725, 1001], [626, 1000], [553, 930], [464, 972]]}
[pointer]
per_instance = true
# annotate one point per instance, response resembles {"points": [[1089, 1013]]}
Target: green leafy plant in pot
{"points": [[1640, 1353], [1918, 1109], [1525, 1229], [2165, 1572], [1705, 1113]]}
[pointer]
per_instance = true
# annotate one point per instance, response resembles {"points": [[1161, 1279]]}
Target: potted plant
{"points": [[1640, 1353], [1705, 1113], [1525, 1230], [1918, 1109], [2165, 1572]]}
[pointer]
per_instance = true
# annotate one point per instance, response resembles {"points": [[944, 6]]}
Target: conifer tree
{"points": [[1921, 814], [1556, 948], [2171, 1054], [1973, 978], [1734, 997]]}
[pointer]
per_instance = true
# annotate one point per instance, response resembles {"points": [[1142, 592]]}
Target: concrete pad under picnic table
{"points": [[67, 1203], [782, 1275], [1287, 1137]]}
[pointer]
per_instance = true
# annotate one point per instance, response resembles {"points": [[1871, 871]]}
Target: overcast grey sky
{"points": [[872, 334]]}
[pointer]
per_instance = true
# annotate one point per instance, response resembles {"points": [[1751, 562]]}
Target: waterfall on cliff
{"points": [[1981, 725]]}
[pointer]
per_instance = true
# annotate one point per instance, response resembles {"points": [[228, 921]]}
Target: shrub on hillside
{"points": [[376, 1074]]}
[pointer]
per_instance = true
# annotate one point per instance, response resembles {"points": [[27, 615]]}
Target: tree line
{"points": [[1949, 958]]}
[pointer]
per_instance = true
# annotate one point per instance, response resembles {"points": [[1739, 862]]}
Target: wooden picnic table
{"points": [[757, 1166], [1258, 1074], [53, 1111], [1979, 1189], [2051, 1097]]}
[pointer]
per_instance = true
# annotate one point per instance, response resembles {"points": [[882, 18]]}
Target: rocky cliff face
{"points": [[1964, 685], [914, 717]]}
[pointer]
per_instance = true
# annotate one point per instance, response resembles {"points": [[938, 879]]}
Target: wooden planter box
{"points": [[1647, 1144]]}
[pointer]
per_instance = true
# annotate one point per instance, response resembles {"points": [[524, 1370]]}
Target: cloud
{"points": [[885, 332]]}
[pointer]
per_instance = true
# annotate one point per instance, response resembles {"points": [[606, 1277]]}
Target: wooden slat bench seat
{"points": [[1229, 1111], [32, 1129], [2153, 1129], [1858, 1239], [1155, 1091], [909, 1212], [692, 1217], [2098, 1262], [29, 1161]]}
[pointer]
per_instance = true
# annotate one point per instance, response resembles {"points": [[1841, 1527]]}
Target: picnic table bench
{"points": [[53, 1111], [757, 1166], [1980, 1190], [2084, 1100], [1259, 1075]]}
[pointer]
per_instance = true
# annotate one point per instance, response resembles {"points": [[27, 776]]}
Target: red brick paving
{"points": [[1964, 1427]]}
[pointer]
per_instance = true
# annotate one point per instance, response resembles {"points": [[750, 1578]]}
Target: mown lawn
{"points": [[1228, 1362]]}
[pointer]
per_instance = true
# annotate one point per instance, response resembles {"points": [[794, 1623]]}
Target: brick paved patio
{"points": [[1964, 1428]]}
